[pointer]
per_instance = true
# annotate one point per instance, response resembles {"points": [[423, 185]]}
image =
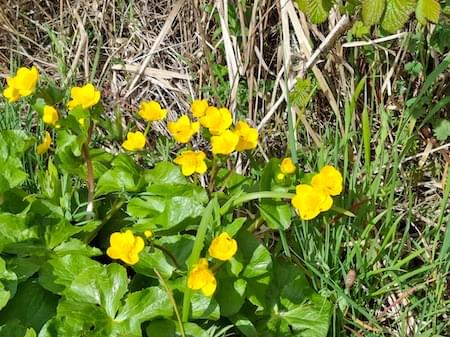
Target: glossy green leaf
{"points": [[145, 305], [150, 260], [204, 307], [167, 328], [32, 306], [230, 295]]}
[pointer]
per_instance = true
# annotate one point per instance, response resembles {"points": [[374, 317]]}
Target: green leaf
{"points": [[14, 228], [145, 305], [13, 144], [204, 307], [397, 14], [59, 272], [230, 295], [32, 306], [257, 259], [277, 214], [15, 329], [302, 93], [244, 325], [75, 246], [372, 11], [316, 10], [167, 328], [80, 319], [428, 10], [441, 129], [312, 319], [165, 173], [180, 246], [167, 205], [360, 30], [116, 180], [153, 260], [105, 288]]}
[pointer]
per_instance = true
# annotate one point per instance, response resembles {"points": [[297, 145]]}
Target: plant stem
{"points": [[172, 300], [90, 170]]}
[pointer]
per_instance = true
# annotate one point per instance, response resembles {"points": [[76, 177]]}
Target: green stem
{"points": [[263, 195], [147, 129], [196, 251], [172, 300]]}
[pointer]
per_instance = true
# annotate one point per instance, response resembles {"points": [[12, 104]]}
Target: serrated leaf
{"points": [[302, 92], [372, 11], [428, 10], [442, 129], [316, 10], [397, 14]]}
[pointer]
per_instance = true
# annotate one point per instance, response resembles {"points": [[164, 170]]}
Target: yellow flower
{"points": [[287, 166], [201, 277], [191, 162], [198, 107], [25, 80], [11, 93], [152, 111], [135, 141], [45, 145], [86, 96], [248, 137], [329, 180], [50, 115], [216, 120], [183, 129], [148, 234], [223, 247], [310, 201], [225, 143], [125, 246]]}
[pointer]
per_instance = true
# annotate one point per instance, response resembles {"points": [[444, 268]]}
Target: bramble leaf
{"points": [[372, 11], [428, 10], [397, 14]]}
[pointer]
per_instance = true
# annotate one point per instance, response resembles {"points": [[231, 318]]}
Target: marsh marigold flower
{"points": [[191, 162], [198, 107], [225, 143], [248, 136], [310, 201], [50, 115], [125, 246], [85, 96], [287, 166], [135, 141], [152, 111], [329, 180], [183, 129], [216, 120], [22, 84], [202, 278], [45, 145], [11, 93], [223, 247]]}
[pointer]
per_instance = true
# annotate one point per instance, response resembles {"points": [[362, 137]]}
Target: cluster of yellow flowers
{"points": [[22, 84], [127, 246], [85, 97], [311, 200], [218, 122], [201, 277]]}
